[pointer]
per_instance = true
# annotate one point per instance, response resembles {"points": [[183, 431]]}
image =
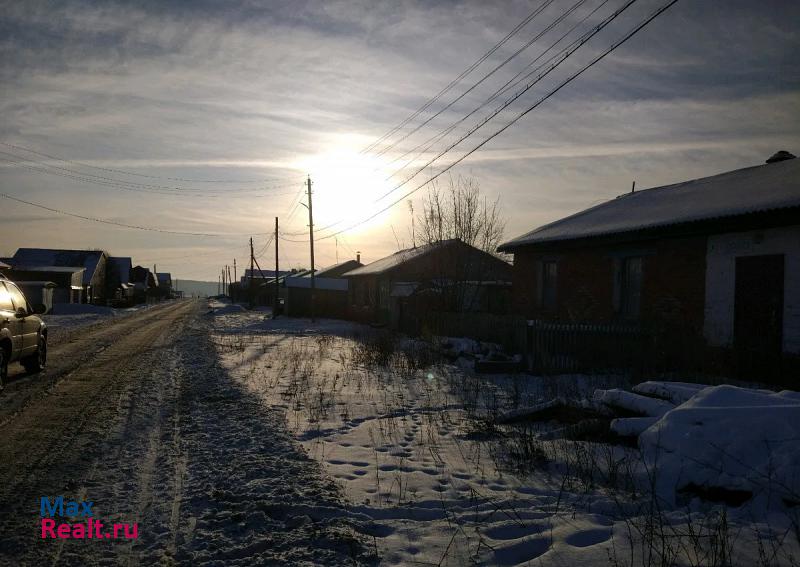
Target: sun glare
{"points": [[346, 185]]}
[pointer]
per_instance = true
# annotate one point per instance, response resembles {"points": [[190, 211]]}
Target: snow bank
{"points": [[633, 403], [729, 438], [675, 392], [632, 426]]}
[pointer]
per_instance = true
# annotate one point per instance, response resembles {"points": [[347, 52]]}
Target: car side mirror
{"points": [[21, 312], [40, 309]]}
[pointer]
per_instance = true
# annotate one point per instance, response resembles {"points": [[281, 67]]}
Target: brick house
{"points": [[715, 259], [449, 275]]}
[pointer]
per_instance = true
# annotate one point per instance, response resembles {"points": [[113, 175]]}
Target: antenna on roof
{"points": [[633, 186]]}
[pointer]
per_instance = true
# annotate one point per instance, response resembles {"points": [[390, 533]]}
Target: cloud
{"points": [[246, 89]]}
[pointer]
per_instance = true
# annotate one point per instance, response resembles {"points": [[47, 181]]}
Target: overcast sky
{"points": [[206, 100]]}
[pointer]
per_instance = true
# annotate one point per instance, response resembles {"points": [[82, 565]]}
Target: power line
{"points": [[519, 116], [480, 81], [111, 170], [126, 187], [129, 185], [510, 84], [564, 54], [123, 225], [458, 79]]}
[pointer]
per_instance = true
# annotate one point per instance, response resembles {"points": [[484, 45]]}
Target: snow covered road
{"points": [[152, 431]]}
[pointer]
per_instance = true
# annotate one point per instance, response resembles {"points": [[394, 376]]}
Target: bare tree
{"points": [[460, 211]]}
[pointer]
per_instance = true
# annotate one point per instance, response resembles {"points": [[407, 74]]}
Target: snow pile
{"points": [[728, 438], [675, 392], [633, 403]]}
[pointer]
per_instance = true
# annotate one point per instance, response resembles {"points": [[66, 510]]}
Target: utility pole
{"points": [[277, 287], [235, 278], [228, 268], [250, 283], [219, 281], [311, 241]]}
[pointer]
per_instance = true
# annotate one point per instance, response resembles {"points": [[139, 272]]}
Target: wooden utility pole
{"points": [[311, 241], [219, 281], [277, 287], [250, 283], [235, 278]]}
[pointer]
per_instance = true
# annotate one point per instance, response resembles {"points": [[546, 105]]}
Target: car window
{"points": [[5, 299], [17, 298]]}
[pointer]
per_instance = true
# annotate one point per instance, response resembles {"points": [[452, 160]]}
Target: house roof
{"points": [[390, 262], [337, 270], [54, 269], [3, 265], [88, 259], [756, 189], [164, 277]]}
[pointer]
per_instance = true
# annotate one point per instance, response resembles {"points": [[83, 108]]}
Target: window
{"points": [[5, 299], [17, 297], [630, 286], [549, 277]]}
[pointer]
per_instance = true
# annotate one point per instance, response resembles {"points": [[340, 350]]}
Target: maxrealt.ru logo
{"points": [[89, 528]]}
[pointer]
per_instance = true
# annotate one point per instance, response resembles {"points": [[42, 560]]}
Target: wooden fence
{"points": [[554, 348]]}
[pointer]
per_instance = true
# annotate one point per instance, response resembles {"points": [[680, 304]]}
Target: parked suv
{"points": [[23, 335]]}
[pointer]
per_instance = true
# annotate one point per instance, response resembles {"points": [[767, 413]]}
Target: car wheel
{"points": [[3, 367], [37, 361]]}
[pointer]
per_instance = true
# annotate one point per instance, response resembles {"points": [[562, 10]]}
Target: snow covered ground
{"points": [[72, 315], [438, 469]]}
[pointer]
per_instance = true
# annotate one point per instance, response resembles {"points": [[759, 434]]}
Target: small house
{"points": [[445, 276], [712, 262], [330, 291], [94, 263]]}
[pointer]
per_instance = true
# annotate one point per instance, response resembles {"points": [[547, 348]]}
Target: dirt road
{"points": [[139, 418]]}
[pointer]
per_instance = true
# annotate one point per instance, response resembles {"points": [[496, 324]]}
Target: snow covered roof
{"points": [[398, 258], [337, 270], [88, 259], [3, 265], [55, 269], [750, 190]]}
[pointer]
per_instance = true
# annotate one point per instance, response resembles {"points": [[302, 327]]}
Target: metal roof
{"points": [[398, 258], [761, 188], [88, 259]]}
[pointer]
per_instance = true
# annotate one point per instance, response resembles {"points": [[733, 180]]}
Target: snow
{"points": [[75, 315], [753, 189], [675, 392], [729, 437], [441, 466], [635, 403]]}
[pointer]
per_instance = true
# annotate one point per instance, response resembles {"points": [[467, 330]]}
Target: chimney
{"points": [[781, 155], [358, 256]]}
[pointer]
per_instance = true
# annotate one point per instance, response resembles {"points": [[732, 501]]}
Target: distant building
{"points": [[94, 263], [448, 276], [118, 280], [713, 261], [330, 294], [144, 282], [164, 284]]}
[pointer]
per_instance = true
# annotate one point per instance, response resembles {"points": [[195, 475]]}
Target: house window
{"points": [[549, 279], [630, 286]]}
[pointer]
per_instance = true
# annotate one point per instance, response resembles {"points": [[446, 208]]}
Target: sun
{"points": [[347, 189]]}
